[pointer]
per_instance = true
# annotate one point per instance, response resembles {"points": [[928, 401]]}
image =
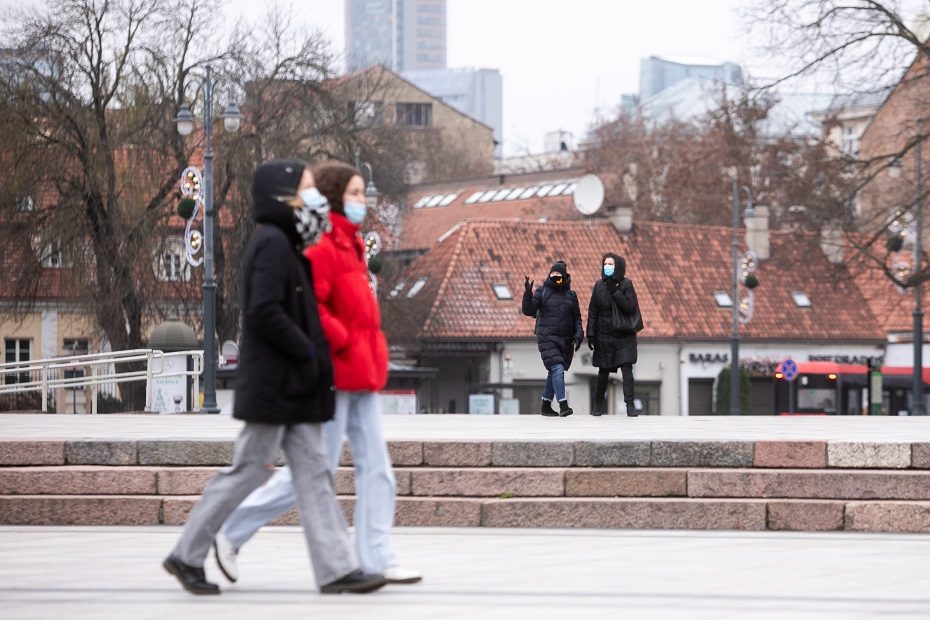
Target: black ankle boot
{"points": [[631, 410], [547, 409], [600, 407], [564, 409]]}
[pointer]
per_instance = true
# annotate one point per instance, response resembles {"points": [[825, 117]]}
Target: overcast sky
{"points": [[560, 59]]}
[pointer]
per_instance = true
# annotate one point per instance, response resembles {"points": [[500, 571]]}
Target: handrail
{"points": [[51, 372]]}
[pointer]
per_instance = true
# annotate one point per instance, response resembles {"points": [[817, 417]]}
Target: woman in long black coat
{"points": [[558, 331], [613, 349]]}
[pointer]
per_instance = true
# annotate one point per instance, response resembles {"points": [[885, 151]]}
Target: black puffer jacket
{"points": [[612, 349], [558, 325], [285, 373]]}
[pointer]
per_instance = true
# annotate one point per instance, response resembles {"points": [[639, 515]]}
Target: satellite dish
{"points": [[589, 194]]}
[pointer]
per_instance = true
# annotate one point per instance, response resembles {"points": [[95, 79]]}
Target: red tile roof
{"points": [[676, 269]]}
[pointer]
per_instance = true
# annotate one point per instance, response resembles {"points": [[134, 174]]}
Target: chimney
{"points": [[756, 220], [831, 242], [621, 217]]}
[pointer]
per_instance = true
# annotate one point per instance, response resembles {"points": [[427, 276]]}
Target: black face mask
{"points": [[557, 280]]}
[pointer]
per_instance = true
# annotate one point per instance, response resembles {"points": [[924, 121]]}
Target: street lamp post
{"points": [[734, 333], [185, 122], [917, 386]]}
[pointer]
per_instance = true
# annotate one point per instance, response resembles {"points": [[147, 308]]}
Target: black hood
{"points": [[619, 265], [273, 180]]}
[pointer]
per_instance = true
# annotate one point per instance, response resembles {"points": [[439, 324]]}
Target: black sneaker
{"points": [[564, 409], [547, 409], [192, 578], [356, 582]]}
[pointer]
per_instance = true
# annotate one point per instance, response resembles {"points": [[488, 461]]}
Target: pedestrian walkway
{"points": [[101, 573], [495, 428]]}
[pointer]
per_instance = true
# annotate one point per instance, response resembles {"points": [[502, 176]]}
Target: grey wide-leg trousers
{"points": [[253, 463]]}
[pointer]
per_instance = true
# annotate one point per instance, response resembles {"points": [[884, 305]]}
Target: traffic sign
{"points": [[789, 369]]}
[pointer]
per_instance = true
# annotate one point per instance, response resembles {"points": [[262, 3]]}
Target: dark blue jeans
{"points": [[555, 383]]}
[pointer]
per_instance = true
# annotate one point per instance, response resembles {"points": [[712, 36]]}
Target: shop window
{"points": [[17, 350]]}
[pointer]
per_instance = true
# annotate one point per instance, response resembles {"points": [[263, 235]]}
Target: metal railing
{"points": [[96, 370]]}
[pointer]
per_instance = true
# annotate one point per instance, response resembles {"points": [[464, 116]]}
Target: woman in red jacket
{"points": [[351, 321]]}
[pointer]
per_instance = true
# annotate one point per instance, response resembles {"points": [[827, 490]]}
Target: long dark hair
{"points": [[332, 178]]}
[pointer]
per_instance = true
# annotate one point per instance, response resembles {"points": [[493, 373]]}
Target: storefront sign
{"points": [[842, 359], [709, 358]]}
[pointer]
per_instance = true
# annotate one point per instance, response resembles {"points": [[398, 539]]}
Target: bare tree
{"points": [[863, 47], [678, 171]]}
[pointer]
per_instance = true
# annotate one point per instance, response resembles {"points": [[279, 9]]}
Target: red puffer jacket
{"points": [[348, 309]]}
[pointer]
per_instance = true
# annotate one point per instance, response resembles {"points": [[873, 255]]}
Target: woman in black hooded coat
{"points": [[613, 349], [558, 331]]}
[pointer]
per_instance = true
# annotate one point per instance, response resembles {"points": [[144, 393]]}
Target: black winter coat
{"points": [[285, 374], [558, 325], [610, 348]]}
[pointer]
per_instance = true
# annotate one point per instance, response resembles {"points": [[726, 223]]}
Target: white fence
{"points": [[95, 371]]}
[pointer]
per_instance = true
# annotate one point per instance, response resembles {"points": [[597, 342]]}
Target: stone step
{"points": [[505, 482], [542, 453], [553, 512]]}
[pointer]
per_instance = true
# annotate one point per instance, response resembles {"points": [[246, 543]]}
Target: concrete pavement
{"points": [[113, 572], [495, 428]]}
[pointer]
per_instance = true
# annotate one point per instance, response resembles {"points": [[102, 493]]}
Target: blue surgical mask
{"points": [[355, 212], [312, 198], [608, 270]]}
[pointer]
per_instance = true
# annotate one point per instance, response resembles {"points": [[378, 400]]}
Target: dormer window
{"points": [[801, 300], [723, 299]]}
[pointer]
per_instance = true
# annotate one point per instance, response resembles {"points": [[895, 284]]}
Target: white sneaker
{"points": [[226, 556], [397, 574]]}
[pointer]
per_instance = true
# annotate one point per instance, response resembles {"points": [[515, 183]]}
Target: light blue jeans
{"points": [[555, 383], [358, 416]]}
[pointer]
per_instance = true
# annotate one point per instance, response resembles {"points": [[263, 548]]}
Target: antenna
{"points": [[589, 194]]}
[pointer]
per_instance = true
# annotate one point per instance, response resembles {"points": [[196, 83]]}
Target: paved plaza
{"points": [[495, 428], [113, 572]]}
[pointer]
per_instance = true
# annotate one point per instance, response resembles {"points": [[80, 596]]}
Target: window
{"points": [[52, 256], [850, 141], [544, 190], [415, 114], [448, 200], [473, 198], [76, 346], [487, 196], [530, 191], [417, 286], [514, 194], [366, 113], [25, 204], [723, 299], [801, 300], [500, 195], [421, 202], [398, 288], [647, 398], [502, 291], [435, 200], [570, 189], [558, 189], [171, 262], [17, 350]]}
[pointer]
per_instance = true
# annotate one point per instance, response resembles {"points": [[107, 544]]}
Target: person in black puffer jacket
{"points": [[558, 331], [283, 390], [613, 349]]}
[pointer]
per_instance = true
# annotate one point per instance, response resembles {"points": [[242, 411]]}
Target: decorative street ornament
{"points": [[747, 270], [372, 249], [191, 182], [901, 271]]}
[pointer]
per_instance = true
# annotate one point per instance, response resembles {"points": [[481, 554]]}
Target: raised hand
{"points": [[528, 284]]}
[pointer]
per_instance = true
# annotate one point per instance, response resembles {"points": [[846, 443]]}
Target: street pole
{"points": [[917, 389], [734, 334], [209, 279]]}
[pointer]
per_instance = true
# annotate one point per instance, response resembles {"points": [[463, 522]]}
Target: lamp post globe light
{"points": [[185, 121]]}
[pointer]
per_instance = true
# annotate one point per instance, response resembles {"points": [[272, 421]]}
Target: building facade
{"points": [[476, 92], [399, 34], [656, 73]]}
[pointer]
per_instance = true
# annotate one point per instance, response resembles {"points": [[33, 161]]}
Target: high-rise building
{"points": [[403, 35], [476, 92], [656, 74]]}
